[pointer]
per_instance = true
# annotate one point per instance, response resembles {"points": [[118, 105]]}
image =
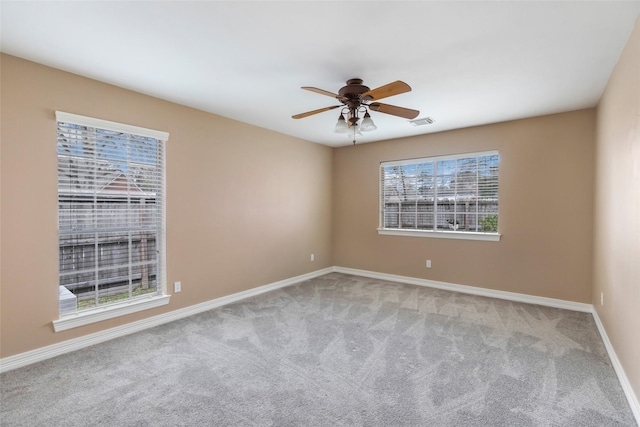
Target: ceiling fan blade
{"points": [[322, 92], [390, 89], [407, 113], [311, 113]]}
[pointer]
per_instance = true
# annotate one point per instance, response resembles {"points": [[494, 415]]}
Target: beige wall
{"points": [[617, 213], [546, 209], [245, 207]]}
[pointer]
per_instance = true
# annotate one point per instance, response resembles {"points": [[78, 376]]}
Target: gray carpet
{"points": [[332, 351]]}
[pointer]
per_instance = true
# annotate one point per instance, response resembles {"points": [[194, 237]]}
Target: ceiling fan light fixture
{"points": [[367, 124], [341, 125], [356, 99]]}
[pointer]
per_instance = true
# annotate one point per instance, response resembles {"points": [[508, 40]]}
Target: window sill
{"points": [[87, 317], [491, 237]]}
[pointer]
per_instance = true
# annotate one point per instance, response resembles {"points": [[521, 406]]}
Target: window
{"points": [[110, 213], [448, 196]]}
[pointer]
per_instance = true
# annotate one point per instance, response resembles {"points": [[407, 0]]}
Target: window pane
{"points": [[446, 180], [425, 180], [77, 252], [113, 249], [408, 215], [391, 215], [425, 215]]}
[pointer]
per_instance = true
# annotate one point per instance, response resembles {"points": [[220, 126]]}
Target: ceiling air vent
{"points": [[422, 121]]}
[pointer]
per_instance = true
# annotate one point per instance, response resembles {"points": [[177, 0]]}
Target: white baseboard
{"points": [[43, 353], [511, 296], [617, 366]]}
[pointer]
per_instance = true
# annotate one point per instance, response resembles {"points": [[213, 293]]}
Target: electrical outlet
{"points": [[428, 263], [312, 257], [601, 298], [177, 287]]}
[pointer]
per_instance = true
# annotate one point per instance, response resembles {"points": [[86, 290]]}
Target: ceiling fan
{"points": [[358, 99]]}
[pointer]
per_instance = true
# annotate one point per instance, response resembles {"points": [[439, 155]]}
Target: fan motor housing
{"points": [[352, 92]]}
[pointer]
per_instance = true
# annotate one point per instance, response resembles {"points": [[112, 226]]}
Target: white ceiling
{"points": [[469, 63]]}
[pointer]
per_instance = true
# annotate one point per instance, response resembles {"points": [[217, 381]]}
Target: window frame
{"points": [[442, 234], [131, 304]]}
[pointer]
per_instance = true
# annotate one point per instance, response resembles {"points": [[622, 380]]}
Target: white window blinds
{"points": [[448, 193], [110, 211]]}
